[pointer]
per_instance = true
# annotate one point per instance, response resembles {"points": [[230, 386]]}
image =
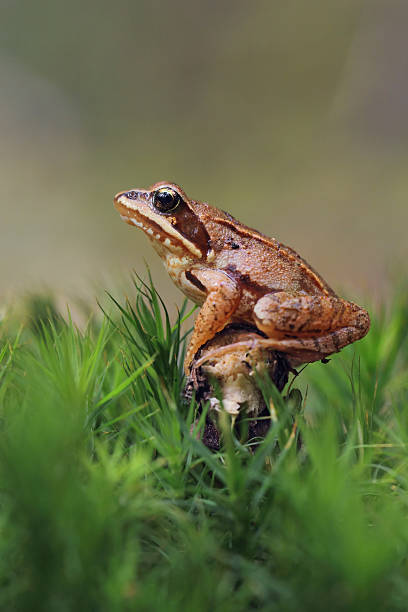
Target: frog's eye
{"points": [[166, 199]]}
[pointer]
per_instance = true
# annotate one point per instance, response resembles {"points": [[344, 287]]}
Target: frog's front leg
{"points": [[223, 296], [314, 324]]}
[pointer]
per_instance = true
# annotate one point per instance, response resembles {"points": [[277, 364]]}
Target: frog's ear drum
{"points": [[166, 200]]}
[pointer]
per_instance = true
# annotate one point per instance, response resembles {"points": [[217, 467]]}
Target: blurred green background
{"points": [[291, 115]]}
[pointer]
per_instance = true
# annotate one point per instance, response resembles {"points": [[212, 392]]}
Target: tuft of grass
{"points": [[110, 501]]}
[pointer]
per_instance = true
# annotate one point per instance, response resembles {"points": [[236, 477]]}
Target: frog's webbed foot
{"points": [[309, 327]]}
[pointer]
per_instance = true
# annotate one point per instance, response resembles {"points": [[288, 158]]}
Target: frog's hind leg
{"points": [[308, 314], [297, 350], [314, 324], [305, 328], [305, 350]]}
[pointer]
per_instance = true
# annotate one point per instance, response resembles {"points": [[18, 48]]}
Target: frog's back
{"points": [[260, 261]]}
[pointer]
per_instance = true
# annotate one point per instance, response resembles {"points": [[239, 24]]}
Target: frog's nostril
{"points": [[132, 195]]}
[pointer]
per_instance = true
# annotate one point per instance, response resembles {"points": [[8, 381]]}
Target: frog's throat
{"points": [[145, 219]]}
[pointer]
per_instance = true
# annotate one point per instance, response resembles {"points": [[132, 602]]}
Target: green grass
{"points": [[109, 501]]}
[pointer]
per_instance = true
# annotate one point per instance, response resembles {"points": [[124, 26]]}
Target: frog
{"points": [[238, 275]]}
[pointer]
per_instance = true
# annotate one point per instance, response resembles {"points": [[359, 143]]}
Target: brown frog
{"points": [[238, 274]]}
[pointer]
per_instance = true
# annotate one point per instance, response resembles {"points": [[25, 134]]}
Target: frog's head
{"points": [[167, 216]]}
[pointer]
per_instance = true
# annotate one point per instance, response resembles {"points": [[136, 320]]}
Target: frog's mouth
{"points": [[158, 228]]}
